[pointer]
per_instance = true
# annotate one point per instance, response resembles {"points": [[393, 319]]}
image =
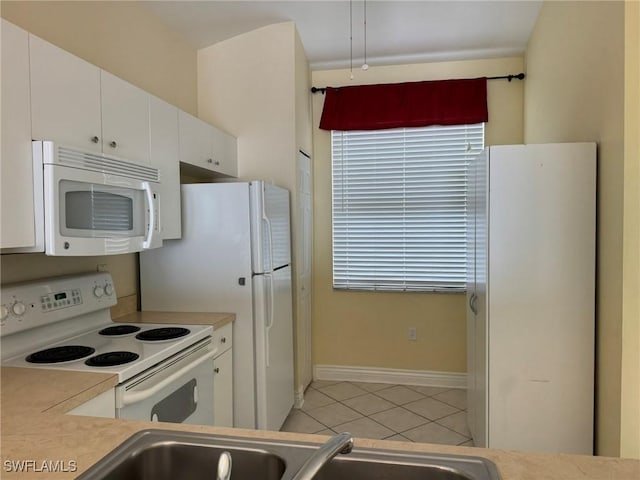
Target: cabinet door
{"points": [[165, 155], [196, 141], [223, 389], [17, 203], [125, 119], [225, 153], [65, 97]]}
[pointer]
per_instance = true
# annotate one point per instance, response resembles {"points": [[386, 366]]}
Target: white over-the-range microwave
{"points": [[92, 204]]}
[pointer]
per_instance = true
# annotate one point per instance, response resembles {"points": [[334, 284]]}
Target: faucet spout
{"points": [[341, 443]]}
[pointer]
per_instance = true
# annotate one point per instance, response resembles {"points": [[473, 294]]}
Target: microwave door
{"points": [[90, 213]]}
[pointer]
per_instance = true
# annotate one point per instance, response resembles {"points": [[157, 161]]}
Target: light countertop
{"points": [[217, 320], [35, 428]]}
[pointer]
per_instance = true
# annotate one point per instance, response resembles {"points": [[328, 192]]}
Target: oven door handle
{"points": [[124, 398]]}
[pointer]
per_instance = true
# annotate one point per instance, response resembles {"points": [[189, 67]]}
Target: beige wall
{"points": [[630, 370], [246, 87], [370, 329], [252, 86], [575, 92], [126, 40], [121, 37]]}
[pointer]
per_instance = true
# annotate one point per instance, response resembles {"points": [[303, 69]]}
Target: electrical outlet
{"points": [[412, 333], [101, 267]]}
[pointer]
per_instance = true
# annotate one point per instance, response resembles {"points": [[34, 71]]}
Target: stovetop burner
{"points": [[65, 353], [119, 330], [164, 333], [110, 359]]}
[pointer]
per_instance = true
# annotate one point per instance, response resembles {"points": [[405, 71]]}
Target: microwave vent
{"points": [[109, 165]]}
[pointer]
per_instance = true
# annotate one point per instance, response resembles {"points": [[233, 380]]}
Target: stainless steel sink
{"points": [[164, 455]]}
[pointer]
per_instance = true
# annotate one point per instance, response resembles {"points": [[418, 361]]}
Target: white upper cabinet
{"points": [[16, 190], [65, 97], [205, 146], [196, 141], [75, 103], [125, 119], [225, 153], [164, 155]]}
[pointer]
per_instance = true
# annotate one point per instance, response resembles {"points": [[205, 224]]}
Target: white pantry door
{"points": [[303, 272]]}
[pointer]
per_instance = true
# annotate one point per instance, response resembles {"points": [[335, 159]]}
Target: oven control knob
{"points": [[18, 309], [98, 291], [4, 312], [108, 289]]}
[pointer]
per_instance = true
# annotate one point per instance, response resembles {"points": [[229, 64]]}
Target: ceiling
{"points": [[397, 31]]}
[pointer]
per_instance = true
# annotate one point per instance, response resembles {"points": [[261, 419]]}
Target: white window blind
{"points": [[399, 205]]}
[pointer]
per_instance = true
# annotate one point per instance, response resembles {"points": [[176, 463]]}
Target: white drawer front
{"points": [[223, 338]]}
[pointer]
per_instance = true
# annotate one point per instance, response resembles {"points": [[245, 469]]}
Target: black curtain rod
{"points": [[518, 76]]}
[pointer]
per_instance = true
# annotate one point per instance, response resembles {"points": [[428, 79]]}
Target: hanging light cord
{"points": [[365, 66], [351, 38]]}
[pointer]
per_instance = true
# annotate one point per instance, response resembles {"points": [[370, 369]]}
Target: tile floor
{"points": [[382, 411]]}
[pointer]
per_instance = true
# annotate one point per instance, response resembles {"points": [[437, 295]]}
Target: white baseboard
{"points": [[394, 376]]}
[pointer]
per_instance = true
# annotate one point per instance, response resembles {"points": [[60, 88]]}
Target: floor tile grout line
{"points": [[325, 426], [399, 404], [394, 406], [447, 389], [443, 426], [346, 406], [409, 411], [375, 421], [314, 419], [451, 429]]}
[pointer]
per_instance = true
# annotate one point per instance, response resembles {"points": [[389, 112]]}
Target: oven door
{"points": [[178, 390]]}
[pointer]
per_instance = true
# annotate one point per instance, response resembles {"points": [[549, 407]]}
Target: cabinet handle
{"points": [[95, 139], [216, 370], [113, 144], [223, 340], [217, 162], [209, 160]]}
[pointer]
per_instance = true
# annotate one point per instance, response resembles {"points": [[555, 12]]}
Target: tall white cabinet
{"points": [[530, 297], [17, 229]]}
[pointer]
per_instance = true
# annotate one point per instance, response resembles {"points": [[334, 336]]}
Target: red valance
{"points": [[413, 104]]}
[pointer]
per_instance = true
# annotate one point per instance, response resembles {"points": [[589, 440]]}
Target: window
{"points": [[399, 204]]}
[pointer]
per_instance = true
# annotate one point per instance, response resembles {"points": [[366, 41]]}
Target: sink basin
{"points": [[340, 469], [164, 455]]}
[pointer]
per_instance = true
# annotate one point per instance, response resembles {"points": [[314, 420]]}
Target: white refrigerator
{"points": [[531, 297], [235, 256]]}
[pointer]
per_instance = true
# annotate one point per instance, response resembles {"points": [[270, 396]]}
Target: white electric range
{"points": [[165, 372]]}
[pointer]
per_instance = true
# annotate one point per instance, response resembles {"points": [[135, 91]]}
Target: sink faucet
{"points": [[341, 443]]}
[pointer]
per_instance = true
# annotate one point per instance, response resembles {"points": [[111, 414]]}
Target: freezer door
{"points": [[270, 227], [274, 348]]}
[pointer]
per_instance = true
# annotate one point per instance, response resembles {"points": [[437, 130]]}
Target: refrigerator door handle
{"points": [[270, 316], [267, 222]]}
